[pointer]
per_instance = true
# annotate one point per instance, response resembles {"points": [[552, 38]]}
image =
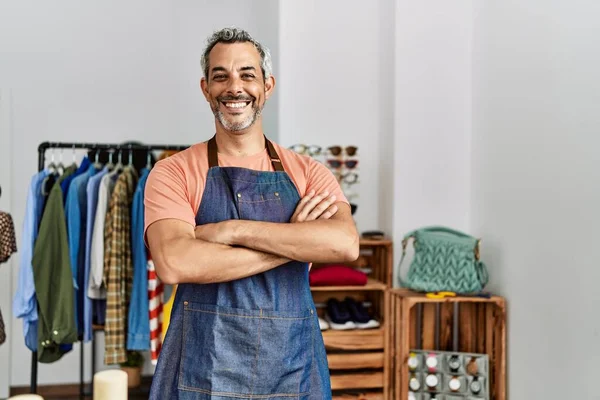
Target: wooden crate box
{"points": [[428, 324], [359, 359]]}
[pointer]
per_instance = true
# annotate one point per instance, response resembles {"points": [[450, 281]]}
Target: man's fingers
{"points": [[321, 208], [312, 203], [301, 205], [329, 213]]}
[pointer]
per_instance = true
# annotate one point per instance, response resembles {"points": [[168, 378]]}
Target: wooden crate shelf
{"points": [[363, 380], [356, 339], [481, 329], [372, 284], [359, 359]]}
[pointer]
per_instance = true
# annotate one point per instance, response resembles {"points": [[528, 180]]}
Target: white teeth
{"points": [[235, 105]]}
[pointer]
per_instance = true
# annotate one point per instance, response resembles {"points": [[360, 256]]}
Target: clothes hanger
{"points": [[148, 159], [110, 164], [74, 163], [119, 166], [97, 163], [60, 167]]}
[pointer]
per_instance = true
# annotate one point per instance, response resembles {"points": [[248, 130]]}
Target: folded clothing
{"points": [[336, 275]]}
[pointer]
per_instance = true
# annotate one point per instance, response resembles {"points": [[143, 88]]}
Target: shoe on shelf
{"points": [[324, 325], [359, 315], [338, 316]]}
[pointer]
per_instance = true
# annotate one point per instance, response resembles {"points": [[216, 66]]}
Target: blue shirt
{"points": [[66, 183], [92, 201], [25, 302], [76, 215], [138, 330]]}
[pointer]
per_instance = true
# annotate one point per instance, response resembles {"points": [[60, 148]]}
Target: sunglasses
{"points": [[350, 164], [349, 178], [312, 150], [337, 150]]}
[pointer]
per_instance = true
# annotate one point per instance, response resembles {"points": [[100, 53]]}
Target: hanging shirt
{"points": [[96, 288], [138, 328], [155, 307], [25, 302], [53, 280], [8, 246], [65, 183], [92, 201], [118, 266], [76, 214], [8, 242]]}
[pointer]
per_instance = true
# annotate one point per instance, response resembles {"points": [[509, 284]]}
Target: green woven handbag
{"points": [[444, 260]]}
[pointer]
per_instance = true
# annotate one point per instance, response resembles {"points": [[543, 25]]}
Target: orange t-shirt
{"points": [[175, 185]]}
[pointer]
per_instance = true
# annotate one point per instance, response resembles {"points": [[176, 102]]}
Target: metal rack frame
{"points": [[115, 147]]}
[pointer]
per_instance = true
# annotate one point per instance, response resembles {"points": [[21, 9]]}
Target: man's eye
{"points": [[249, 76], [218, 77]]}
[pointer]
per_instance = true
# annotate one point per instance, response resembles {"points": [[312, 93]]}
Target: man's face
{"points": [[236, 88]]}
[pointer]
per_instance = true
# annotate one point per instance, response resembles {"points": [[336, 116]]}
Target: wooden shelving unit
{"points": [[359, 359], [481, 328]]}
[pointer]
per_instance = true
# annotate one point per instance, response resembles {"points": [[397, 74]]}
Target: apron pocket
{"points": [[238, 352]]}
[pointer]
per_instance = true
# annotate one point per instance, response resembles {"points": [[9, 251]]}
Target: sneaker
{"points": [[338, 315], [359, 315], [323, 324]]}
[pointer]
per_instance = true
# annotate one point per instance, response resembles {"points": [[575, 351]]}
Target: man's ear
{"points": [[269, 86], [204, 87]]}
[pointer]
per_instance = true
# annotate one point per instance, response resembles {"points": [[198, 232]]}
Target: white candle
{"points": [[110, 385]]}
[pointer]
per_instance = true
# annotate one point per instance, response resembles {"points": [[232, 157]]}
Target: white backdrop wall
{"points": [[105, 72], [432, 113], [536, 186]]}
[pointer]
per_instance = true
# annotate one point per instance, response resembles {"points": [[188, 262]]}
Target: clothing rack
{"points": [[111, 148]]}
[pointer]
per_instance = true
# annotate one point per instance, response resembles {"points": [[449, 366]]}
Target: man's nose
{"points": [[235, 86]]}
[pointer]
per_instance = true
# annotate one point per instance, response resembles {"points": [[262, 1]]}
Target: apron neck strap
{"points": [[213, 160]]}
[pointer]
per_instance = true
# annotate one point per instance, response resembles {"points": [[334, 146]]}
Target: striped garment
{"points": [[155, 298], [118, 266]]}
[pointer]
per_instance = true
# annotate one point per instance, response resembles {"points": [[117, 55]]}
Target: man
{"points": [[235, 222]]}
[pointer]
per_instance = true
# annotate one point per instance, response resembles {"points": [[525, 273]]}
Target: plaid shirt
{"points": [[118, 266]]}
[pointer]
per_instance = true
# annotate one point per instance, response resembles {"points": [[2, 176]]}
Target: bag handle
{"points": [[438, 228]]}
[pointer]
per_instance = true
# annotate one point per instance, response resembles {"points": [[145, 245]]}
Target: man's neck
{"points": [[240, 144]]}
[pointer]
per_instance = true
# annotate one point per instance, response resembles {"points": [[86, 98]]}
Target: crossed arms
{"points": [[319, 231]]}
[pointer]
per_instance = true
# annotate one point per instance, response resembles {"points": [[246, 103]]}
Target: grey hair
{"points": [[235, 35]]}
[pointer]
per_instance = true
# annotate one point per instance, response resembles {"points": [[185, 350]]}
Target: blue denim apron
{"points": [[252, 338]]}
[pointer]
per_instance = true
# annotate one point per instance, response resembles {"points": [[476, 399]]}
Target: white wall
{"points": [[105, 72], [5, 268], [432, 146], [536, 186], [334, 86]]}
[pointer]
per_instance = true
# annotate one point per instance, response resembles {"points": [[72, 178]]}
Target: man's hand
{"points": [[313, 207], [219, 232]]}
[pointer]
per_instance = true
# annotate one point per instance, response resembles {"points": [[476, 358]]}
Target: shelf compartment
{"points": [[372, 284], [359, 396], [362, 380], [355, 339], [346, 361]]}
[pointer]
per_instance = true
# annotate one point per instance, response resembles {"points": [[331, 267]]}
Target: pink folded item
{"points": [[337, 275]]}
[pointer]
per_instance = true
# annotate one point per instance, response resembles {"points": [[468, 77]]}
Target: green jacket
{"points": [[53, 279]]}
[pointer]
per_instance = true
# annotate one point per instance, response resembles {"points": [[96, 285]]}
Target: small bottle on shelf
{"points": [[431, 381], [413, 361], [454, 363], [454, 384], [475, 386], [414, 384], [432, 362]]}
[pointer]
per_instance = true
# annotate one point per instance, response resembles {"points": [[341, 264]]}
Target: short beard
{"points": [[236, 126]]}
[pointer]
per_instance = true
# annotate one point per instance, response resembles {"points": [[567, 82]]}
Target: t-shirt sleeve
{"points": [[166, 195], [321, 179]]}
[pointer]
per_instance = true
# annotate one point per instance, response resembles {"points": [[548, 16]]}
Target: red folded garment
{"points": [[336, 275]]}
